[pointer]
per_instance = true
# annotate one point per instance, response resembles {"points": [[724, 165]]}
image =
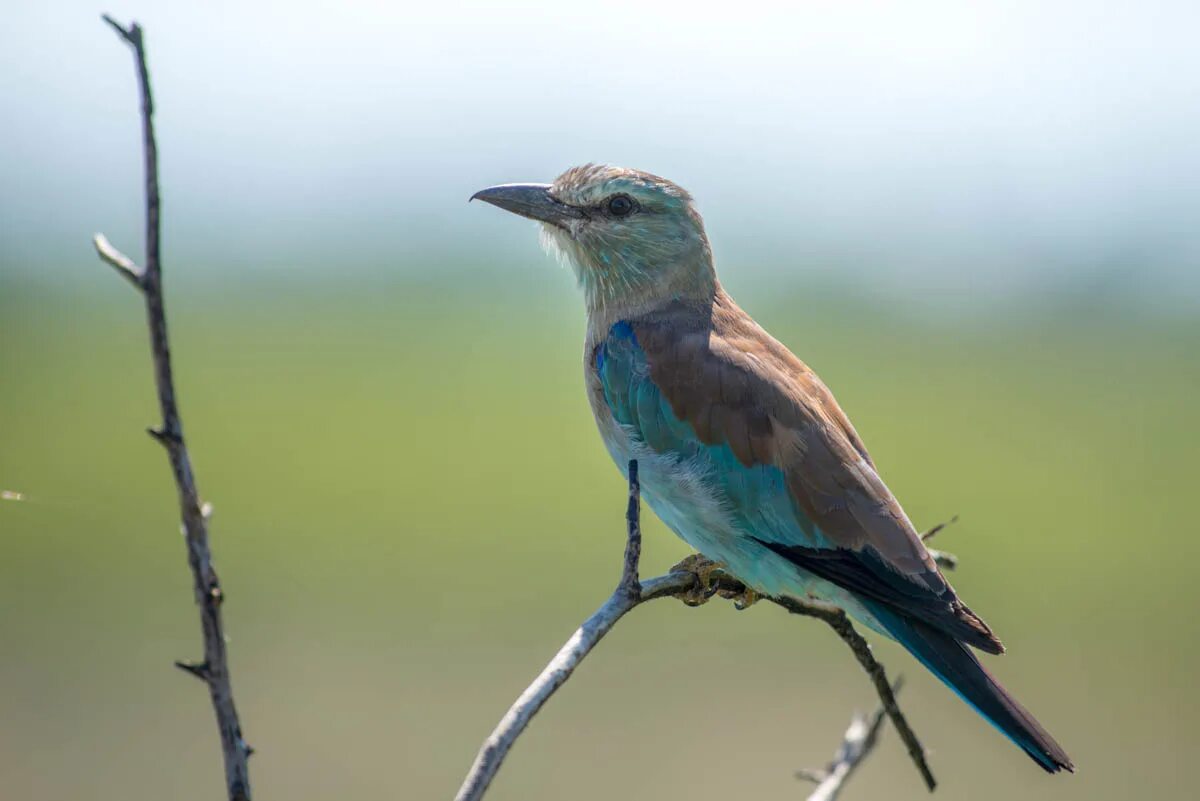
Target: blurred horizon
{"points": [[938, 154]]}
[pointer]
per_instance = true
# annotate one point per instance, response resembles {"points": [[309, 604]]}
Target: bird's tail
{"points": [[956, 665]]}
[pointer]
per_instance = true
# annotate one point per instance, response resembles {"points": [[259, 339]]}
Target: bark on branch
{"points": [[693, 581], [214, 669]]}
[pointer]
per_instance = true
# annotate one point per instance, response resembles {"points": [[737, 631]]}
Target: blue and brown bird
{"points": [[742, 451]]}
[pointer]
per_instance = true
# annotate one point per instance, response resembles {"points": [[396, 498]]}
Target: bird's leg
{"points": [[708, 578]]}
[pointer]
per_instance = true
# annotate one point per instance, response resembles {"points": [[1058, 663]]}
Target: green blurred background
{"points": [[382, 390]]}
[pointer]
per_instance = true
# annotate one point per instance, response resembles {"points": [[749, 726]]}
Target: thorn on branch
{"points": [[197, 669], [124, 265], [164, 437]]}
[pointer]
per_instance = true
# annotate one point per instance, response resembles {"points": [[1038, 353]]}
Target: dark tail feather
{"points": [[957, 666]]}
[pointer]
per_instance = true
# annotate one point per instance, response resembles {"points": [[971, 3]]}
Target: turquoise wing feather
{"points": [[756, 495]]}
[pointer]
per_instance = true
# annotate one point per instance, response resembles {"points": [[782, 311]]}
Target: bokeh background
{"points": [[976, 221]]}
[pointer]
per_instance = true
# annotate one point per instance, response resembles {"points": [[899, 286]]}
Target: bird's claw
{"points": [[743, 599], [708, 578]]}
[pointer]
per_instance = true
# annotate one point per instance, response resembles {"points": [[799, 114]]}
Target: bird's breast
{"points": [[679, 489]]}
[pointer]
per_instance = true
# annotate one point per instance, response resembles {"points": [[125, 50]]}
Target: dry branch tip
{"points": [[125, 266], [132, 34], [857, 743], [933, 532]]}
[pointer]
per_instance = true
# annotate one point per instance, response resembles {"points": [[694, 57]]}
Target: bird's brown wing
{"points": [[735, 385]]}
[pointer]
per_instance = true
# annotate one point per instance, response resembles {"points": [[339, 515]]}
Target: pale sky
{"points": [[948, 149]]}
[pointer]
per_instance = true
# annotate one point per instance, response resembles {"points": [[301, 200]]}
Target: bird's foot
{"points": [[712, 579], [708, 578]]}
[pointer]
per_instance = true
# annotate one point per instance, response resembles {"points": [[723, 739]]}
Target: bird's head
{"points": [[633, 238]]}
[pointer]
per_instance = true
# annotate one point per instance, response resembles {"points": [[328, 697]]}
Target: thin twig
{"points": [[856, 746], [937, 529], [839, 621], [693, 582], [214, 670], [627, 595], [944, 559], [633, 536]]}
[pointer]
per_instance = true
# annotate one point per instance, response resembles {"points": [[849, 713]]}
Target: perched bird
{"points": [[742, 451]]}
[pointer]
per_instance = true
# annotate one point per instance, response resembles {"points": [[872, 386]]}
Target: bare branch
{"points": [[693, 581], [214, 669], [856, 746]]}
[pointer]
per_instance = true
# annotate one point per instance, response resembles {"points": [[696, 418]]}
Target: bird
{"points": [[742, 450]]}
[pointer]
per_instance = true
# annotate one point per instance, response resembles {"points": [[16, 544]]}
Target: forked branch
{"points": [[214, 669], [693, 581]]}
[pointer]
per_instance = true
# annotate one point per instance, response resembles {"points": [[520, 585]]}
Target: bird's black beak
{"points": [[530, 200]]}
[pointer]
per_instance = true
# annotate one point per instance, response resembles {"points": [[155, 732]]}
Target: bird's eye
{"points": [[620, 206]]}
